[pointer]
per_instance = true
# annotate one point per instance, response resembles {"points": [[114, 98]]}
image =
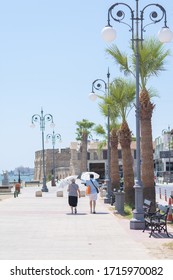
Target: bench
{"points": [[157, 221], [147, 207]]}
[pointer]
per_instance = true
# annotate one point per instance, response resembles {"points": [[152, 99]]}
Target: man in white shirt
{"points": [[93, 193]]}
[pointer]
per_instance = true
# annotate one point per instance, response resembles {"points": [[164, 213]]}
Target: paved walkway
{"points": [[38, 228]]}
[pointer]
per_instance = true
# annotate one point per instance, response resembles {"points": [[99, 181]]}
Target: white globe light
{"points": [[92, 96], [32, 125], [52, 125], [165, 35], [108, 34]]}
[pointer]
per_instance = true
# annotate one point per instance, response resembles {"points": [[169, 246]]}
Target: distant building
{"points": [[67, 161], [163, 157]]}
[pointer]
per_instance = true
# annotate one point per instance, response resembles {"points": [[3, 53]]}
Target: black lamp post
{"points": [[101, 85], [137, 29], [53, 137], [42, 120]]}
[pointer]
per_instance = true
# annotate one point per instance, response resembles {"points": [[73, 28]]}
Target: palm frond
{"points": [[120, 58], [102, 144], [122, 93], [99, 130], [83, 126], [152, 60]]}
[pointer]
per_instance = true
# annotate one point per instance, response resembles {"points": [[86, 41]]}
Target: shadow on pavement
{"points": [[78, 214], [97, 213]]}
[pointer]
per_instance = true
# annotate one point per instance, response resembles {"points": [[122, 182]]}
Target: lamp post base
{"points": [[138, 222], [44, 189]]}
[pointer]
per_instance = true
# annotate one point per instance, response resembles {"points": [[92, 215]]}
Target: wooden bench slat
{"points": [[147, 207]]}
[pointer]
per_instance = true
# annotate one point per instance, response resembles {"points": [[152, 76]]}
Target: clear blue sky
{"points": [[50, 53]]}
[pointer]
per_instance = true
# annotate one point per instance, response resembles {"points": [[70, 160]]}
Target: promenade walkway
{"points": [[42, 228]]}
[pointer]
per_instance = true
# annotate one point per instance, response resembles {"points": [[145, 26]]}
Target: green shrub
{"points": [[49, 177], [128, 211]]}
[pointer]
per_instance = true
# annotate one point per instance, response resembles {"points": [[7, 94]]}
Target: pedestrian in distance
{"points": [[93, 193], [73, 194]]}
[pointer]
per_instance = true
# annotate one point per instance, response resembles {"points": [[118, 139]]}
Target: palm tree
{"points": [[114, 163], [151, 62], [115, 175], [114, 126], [122, 94], [83, 132]]}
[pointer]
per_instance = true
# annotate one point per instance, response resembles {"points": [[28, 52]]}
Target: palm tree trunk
{"points": [[84, 152], [147, 146], [114, 170], [128, 174]]}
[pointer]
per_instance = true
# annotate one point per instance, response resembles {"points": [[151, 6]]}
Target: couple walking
{"points": [[74, 193]]}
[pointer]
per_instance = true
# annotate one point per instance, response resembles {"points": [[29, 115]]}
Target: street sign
{"points": [[166, 154]]}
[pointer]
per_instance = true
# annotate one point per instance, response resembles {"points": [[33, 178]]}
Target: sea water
{"points": [[14, 178]]}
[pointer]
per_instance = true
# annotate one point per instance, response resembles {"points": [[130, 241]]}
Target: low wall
{"points": [[32, 184], [5, 188]]}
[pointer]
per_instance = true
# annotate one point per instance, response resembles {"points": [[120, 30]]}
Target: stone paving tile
{"points": [[43, 228]]}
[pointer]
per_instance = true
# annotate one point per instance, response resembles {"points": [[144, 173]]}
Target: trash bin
{"points": [[119, 202]]}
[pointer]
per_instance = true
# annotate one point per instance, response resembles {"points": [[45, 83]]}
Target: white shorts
{"points": [[93, 196]]}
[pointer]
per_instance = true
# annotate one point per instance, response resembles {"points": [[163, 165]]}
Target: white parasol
{"points": [[66, 181], [69, 178], [86, 175]]}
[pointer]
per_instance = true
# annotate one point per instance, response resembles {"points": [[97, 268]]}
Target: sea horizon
{"points": [[15, 177]]}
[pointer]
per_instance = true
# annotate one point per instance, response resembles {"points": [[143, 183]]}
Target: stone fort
{"points": [[67, 161]]}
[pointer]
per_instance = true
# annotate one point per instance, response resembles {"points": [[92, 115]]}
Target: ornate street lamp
{"points": [[42, 119], [164, 35], [53, 137], [101, 85]]}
